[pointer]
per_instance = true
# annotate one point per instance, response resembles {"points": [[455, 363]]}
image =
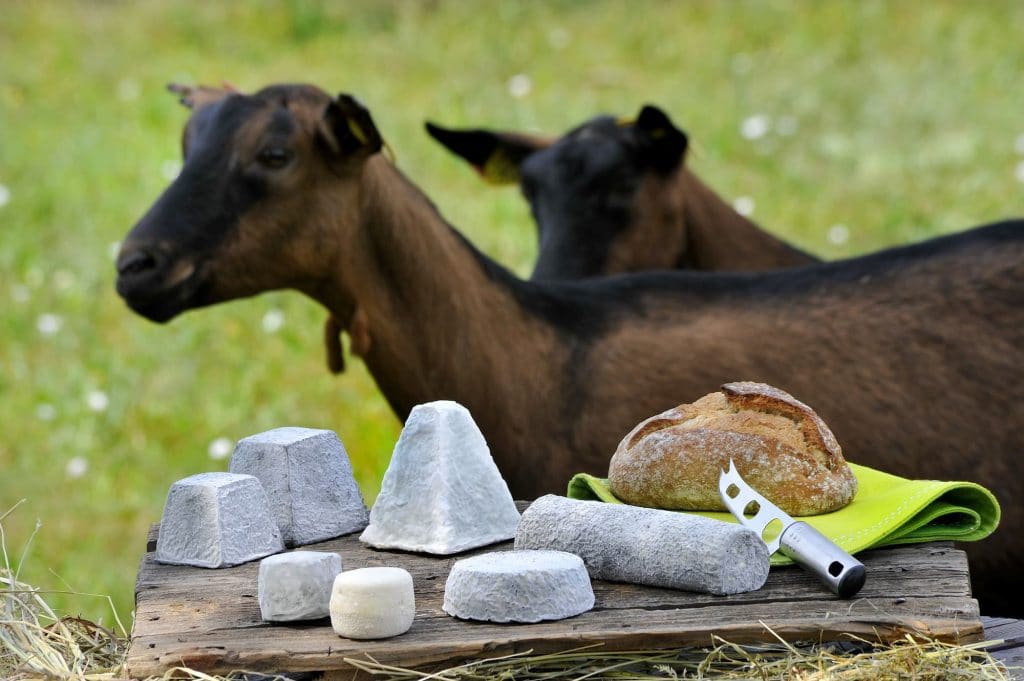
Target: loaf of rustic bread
{"points": [[779, 445]]}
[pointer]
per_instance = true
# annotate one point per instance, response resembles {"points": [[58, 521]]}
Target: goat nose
{"points": [[137, 261]]}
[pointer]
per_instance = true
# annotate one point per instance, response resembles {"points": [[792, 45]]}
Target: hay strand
{"points": [[854, 660]]}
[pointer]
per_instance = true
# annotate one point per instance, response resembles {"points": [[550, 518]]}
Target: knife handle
{"points": [[842, 573]]}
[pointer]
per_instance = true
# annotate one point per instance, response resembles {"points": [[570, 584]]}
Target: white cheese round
{"points": [[518, 586], [376, 602]]}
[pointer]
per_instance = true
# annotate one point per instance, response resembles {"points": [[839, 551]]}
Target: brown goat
{"points": [[914, 356], [625, 201]]}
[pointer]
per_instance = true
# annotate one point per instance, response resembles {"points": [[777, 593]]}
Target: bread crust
{"points": [[779, 445]]}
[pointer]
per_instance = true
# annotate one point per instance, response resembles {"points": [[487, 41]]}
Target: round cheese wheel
{"points": [[376, 602]]}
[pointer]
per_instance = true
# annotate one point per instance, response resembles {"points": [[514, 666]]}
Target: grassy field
{"points": [[846, 127]]}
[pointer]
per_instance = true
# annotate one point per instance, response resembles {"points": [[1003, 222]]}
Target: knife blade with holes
{"points": [[842, 573]]}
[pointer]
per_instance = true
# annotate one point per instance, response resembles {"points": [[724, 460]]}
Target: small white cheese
{"points": [[376, 602], [296, 585], [518, 586]]}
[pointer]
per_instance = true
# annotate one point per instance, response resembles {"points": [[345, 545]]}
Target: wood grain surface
{"points": [[209, 620]]}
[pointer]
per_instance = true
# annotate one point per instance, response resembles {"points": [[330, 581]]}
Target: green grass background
{"points": [[906, 117]]}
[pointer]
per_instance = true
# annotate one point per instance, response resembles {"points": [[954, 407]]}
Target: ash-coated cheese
{"points": [[374, 602], [442, 492], [621, 543], [308, 478], [518, 586], [215, 520], [297, 585]]}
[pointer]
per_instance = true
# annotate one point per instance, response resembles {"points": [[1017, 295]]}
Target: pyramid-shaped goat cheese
{"points": [[442, 492]]}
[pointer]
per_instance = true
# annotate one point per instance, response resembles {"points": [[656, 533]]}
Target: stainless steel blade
{"points": [[843, 574], [737, 496]]}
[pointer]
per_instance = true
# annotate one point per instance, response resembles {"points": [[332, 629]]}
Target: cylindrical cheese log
{"points": [[623, 543], [376, 602], [518, 586]]}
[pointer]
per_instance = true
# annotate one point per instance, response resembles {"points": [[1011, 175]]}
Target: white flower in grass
{"points": [[5, 196], [97, 401], [1019, 172], [220, 448], [170, 168], [1018, 144], [46, 412], [838, 234], [273, 320], [744, 205], [20, 293], [114, 249], [48, 324], [520, 85], [76, 467], [755, 127]]}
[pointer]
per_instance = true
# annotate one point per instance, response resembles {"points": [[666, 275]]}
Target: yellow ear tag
{"points": [[389, 153], [356, 131], [500, 169]]}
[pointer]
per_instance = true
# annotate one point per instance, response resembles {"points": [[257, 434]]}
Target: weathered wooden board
{"points": [[1011, 651], [209, 619]]}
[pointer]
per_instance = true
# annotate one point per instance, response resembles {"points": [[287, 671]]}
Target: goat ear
{"points": [[198, 96], [661, 142], [495, 155], [348, 127]]}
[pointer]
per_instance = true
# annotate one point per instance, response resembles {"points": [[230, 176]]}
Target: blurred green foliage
{"points": [[894, 121]]}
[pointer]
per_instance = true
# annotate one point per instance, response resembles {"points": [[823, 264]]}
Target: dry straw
{"points": [[38, 644], [851, 661]]}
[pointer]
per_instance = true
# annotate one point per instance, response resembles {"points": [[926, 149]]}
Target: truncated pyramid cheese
{"points": [[216, 519], [518, 586], [308, 479], [442, 492]]}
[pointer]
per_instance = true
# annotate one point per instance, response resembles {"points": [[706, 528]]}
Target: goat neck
{"points": [[720, 238], [405, 268]]}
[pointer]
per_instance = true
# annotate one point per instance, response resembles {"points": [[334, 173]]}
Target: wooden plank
{"points": [[1011, 651], [209, 619]]}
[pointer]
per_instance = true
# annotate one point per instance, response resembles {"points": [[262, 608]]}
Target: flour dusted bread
{"points": [[780, 447]]}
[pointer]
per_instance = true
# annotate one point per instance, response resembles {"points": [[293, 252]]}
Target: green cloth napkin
{"points": [[886, 510]]}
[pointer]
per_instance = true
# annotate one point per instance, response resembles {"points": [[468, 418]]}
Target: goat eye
{"points": [[274, 157]]}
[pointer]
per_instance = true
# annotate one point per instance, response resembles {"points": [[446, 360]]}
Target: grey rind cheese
{"points": [[297, 585], [216, 519], [518, 586], [621, 543], [442, 492], [308, 478]]}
